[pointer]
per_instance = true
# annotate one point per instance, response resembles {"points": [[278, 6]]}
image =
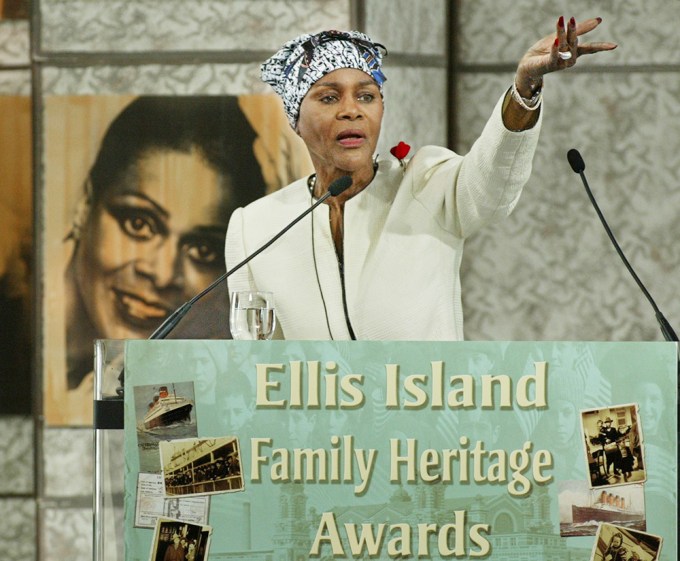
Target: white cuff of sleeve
{"points": [[528, 104]]}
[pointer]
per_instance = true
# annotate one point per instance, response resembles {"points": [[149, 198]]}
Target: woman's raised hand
{"points": [[556, 51]]}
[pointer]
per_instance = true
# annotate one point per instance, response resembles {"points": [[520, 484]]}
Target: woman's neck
{"points": [[360, 180]]}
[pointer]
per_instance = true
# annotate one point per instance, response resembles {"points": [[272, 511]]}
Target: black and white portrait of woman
{"points": [[146, 232]]}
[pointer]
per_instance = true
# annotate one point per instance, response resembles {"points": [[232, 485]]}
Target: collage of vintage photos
{"points": [[179, 471], [610, 504]]}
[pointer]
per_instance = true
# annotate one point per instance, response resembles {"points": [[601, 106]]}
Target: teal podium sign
{"points": [[285, 450]]}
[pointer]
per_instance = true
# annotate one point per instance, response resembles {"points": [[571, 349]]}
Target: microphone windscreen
{"points": [[575, 160], [339, 185]]}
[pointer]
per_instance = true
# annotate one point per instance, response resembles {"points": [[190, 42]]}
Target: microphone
{"points": [[336, 187], [578, 165]]}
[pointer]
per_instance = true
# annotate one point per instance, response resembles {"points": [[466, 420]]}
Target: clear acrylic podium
{"points": [[108, 533]]}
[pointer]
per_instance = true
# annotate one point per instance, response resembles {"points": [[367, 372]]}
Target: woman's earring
{"points": [[81, 213]]}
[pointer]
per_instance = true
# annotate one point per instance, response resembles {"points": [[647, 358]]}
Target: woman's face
{"points": [[565, 422], [340, 119], [651, 406], [153, 241]]}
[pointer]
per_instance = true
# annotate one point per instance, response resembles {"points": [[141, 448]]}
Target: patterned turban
{"points": [[305, 59]]}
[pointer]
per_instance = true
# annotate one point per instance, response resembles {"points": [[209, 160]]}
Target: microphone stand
{"points": [[579, 166], [173, 319]]}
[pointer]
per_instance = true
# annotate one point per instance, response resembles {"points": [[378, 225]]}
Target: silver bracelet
{"points": [[528, 104]]}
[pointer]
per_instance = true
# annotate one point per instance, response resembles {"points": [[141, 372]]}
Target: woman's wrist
{"points": [[526, 86], [517, 114]]}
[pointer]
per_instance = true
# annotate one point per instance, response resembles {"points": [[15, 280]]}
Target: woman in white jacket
{"points": [[381, 260]]}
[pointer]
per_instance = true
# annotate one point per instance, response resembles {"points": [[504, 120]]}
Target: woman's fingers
{"points": [[587, 25], [572, 36], [557, 52], [567, 48], [565, 53], [592, 48]]}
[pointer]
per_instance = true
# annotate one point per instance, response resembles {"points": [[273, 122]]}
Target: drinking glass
{"points": [[252, 315]]}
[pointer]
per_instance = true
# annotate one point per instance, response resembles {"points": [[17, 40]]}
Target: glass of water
{"points": [[252, 315]]}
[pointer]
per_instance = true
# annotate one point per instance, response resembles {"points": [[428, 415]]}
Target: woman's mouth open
{"points": [[351, 138]]}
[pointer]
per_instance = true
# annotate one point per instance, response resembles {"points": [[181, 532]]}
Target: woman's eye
{"points": [[367, 97], [139, 228], [136, 224], [206, 253]]}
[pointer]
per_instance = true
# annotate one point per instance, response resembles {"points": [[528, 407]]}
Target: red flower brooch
{"points": [[400, 151]]}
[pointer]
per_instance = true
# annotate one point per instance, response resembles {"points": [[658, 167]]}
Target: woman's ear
{"points": [[82, 212]]}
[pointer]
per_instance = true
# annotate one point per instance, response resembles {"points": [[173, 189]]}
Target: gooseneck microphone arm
{"points": [[578, 165], [337, 187]]}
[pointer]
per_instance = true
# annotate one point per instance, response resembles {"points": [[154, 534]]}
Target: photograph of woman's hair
{"points": [[146, 230]]}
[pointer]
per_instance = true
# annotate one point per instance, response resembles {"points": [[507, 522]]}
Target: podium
{"points": [[287, 450], [108, 532]]}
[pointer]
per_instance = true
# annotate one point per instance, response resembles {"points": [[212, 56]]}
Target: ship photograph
{"points": [[167, 408], [583, 509], [162, 411]]}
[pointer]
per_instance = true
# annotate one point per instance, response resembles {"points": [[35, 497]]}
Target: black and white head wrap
{"points": [[305, 59]]}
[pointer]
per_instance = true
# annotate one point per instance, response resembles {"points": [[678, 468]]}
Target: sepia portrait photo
{"points": [[613, 442], [180, 541], [616, 543], [137, 197]]}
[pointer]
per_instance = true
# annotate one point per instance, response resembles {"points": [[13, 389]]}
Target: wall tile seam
{"points": [[66, 502], [462, 68], [117, 59]]}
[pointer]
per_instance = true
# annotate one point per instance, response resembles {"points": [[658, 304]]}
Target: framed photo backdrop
{"points": [[137, 197]]}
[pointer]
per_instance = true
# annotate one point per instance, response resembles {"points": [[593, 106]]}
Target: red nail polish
{"points": [[572, 22], [560, 21], [599, 20], [556, 43]]}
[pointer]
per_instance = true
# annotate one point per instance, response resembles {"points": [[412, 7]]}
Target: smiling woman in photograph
{"points": [[148, 233]]}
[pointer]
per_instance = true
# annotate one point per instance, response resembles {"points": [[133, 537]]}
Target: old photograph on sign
{"points": [[152, 504], [616, 543], [177, 541], [614, 449], [163, 411], [583, 509], [201, 466]]}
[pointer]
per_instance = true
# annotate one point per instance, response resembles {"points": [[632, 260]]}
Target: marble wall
{"points": [[548, 272]]}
